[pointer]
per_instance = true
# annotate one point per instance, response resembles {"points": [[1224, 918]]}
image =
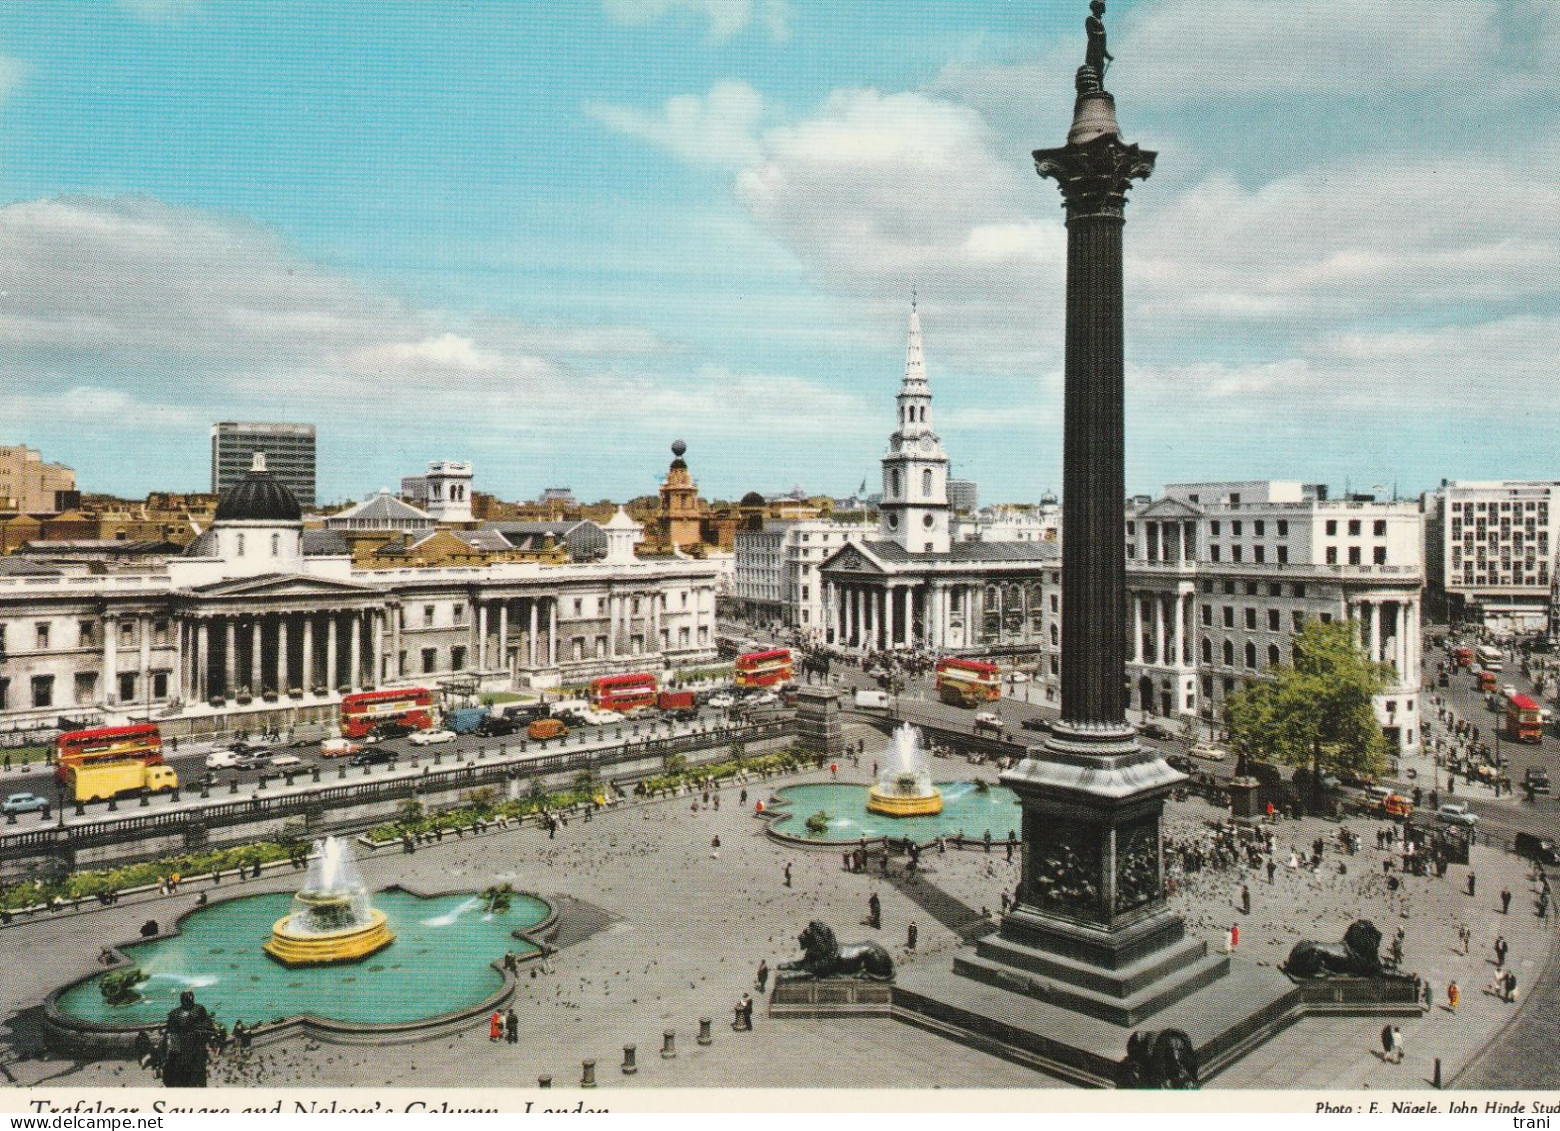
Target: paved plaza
{"points": [[660, 929]]}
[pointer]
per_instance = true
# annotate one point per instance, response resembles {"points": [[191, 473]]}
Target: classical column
{"points": [[611, 626], [376, 676], [503, 636], [850, 621], [332, 665], [256, 641], [909, 592], [889, 626], [203, 658], [144, 628], [110, 658], [482, 636], [1137, 626], [397, 614], [1180, 629], [307, 674], [1375, 629], [283, 674], [552, 632], [230, 658], [355, 654], [535, 603], [179, 677]]}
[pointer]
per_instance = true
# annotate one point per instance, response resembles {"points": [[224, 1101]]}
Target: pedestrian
{"points": [[874, 911], [911, 934], [1386, 1043], [1505, 901], [1245, 899], [787, 873], [1501, 947], [1272, 866], [763, 974], [1233, 939], [1453, 996], [1397, 1045], [1473, 882], [495, 1026], [742, 1014]]}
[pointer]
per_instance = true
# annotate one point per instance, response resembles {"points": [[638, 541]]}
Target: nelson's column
{"points": [[1091, 959]]}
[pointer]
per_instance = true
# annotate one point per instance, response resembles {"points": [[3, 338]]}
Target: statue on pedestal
{"points": [[186, 1041], [1096, 59]]}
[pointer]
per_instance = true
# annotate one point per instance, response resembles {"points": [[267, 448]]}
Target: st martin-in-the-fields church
{"points": [[918, 585]]}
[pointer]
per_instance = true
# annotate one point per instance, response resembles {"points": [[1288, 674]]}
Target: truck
{"points": [[465, 720], [115, 779], [872, 700], [676, 701]]}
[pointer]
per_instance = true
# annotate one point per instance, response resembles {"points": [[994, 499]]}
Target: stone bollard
{"points": [[205, 791], [1437, 1081], [288, 778], [232, 785], [174, 795], [669, 1045], [629, 1066], [341, 771], [10, 818], [314, 772], [146, 801], [438, 757], [481, 753], [706, 1037], [544, 1081], [81, 810], [367, 770], [113, 805], [588, 1074]]}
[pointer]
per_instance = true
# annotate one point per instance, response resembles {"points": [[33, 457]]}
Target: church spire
{"points": [[915, 364]]}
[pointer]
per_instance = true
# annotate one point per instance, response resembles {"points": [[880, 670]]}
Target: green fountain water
{"points": [[967, 809]]}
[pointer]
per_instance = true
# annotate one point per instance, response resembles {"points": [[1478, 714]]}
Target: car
{"points": [[497, 726], [683, 714], [1536, 779], [1536, 848], [1181, 763], [540, 730], [285, 762], [1039, 723], [1457, 813], [432, 737], [222, 760], [250, 759], [339, 748], [722, 702], [987, 720], [24, 803], [389, 730], [1158, 730], [373, 756], [1209, 752], [1019, 677]]}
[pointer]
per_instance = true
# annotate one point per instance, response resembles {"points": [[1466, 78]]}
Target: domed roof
{"points": [[258, 497], [752, 499]]}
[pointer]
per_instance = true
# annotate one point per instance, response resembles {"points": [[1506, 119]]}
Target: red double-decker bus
{"points": [[1524, 719], [968, 683], [140, 742], [362, 711], [623, 692], [764, 669]]}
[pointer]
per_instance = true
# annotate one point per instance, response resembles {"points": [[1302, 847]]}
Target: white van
{"points": [[872, 700]]}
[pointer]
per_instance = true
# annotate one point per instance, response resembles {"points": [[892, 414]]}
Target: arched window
{"points": [[276, 545], [1055, 637], [1251, 654], [1274, 657], [926, 483], [893, 482], [1229, 653], [1207, 651], [240, 545]]}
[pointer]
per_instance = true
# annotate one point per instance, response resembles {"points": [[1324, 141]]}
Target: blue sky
{"points": [[552, 238]]}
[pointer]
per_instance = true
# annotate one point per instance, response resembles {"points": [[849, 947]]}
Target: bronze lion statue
{"points": [[1357, 956], [1164, 1058], [823, 957]]}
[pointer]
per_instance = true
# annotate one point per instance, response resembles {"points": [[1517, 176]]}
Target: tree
{"points": [[1315, 712]]}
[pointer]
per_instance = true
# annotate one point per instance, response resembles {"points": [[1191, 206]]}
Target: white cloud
{"points": [[726, 17], [716, 130]]}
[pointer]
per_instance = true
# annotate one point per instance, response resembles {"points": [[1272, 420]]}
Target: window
{"points": [[1207, 650], [1235, 528], [1235, 555], [86, 688], [1207, 614], [1283, 555], [1332, 527], [1251, 588], [1229, 653], [893, 482], [1296, 621], [430, 660], [43, 691], [127, 632], [1251, 618], [1213, 553], [1229, 616], [458, 615], [1229, 587], [1251, 654], [1354, 528], [276, 545], [1354, 555], [88, 634], [579, 606], [1213, 528], [43, 641], [160, 629], [1274, 656], [684, 596], [1379, 555], [1259, 553], [1275, 589], [1259, 528], [457, 658], [127, 687], [427, 623], [926, 483], [1283, 528], [1332, 555], [240, 545], [1275, 620], [1380, 528], [1299, 590]]}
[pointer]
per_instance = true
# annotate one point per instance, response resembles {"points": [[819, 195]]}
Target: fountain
{"points": [[904, 788], [330, 920]]}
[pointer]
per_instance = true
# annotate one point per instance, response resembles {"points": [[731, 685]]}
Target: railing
{"points": [[483, 771]]}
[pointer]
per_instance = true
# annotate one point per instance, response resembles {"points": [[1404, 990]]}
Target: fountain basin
{"points": [[903, 805], [353, 944], [968, 810]]}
